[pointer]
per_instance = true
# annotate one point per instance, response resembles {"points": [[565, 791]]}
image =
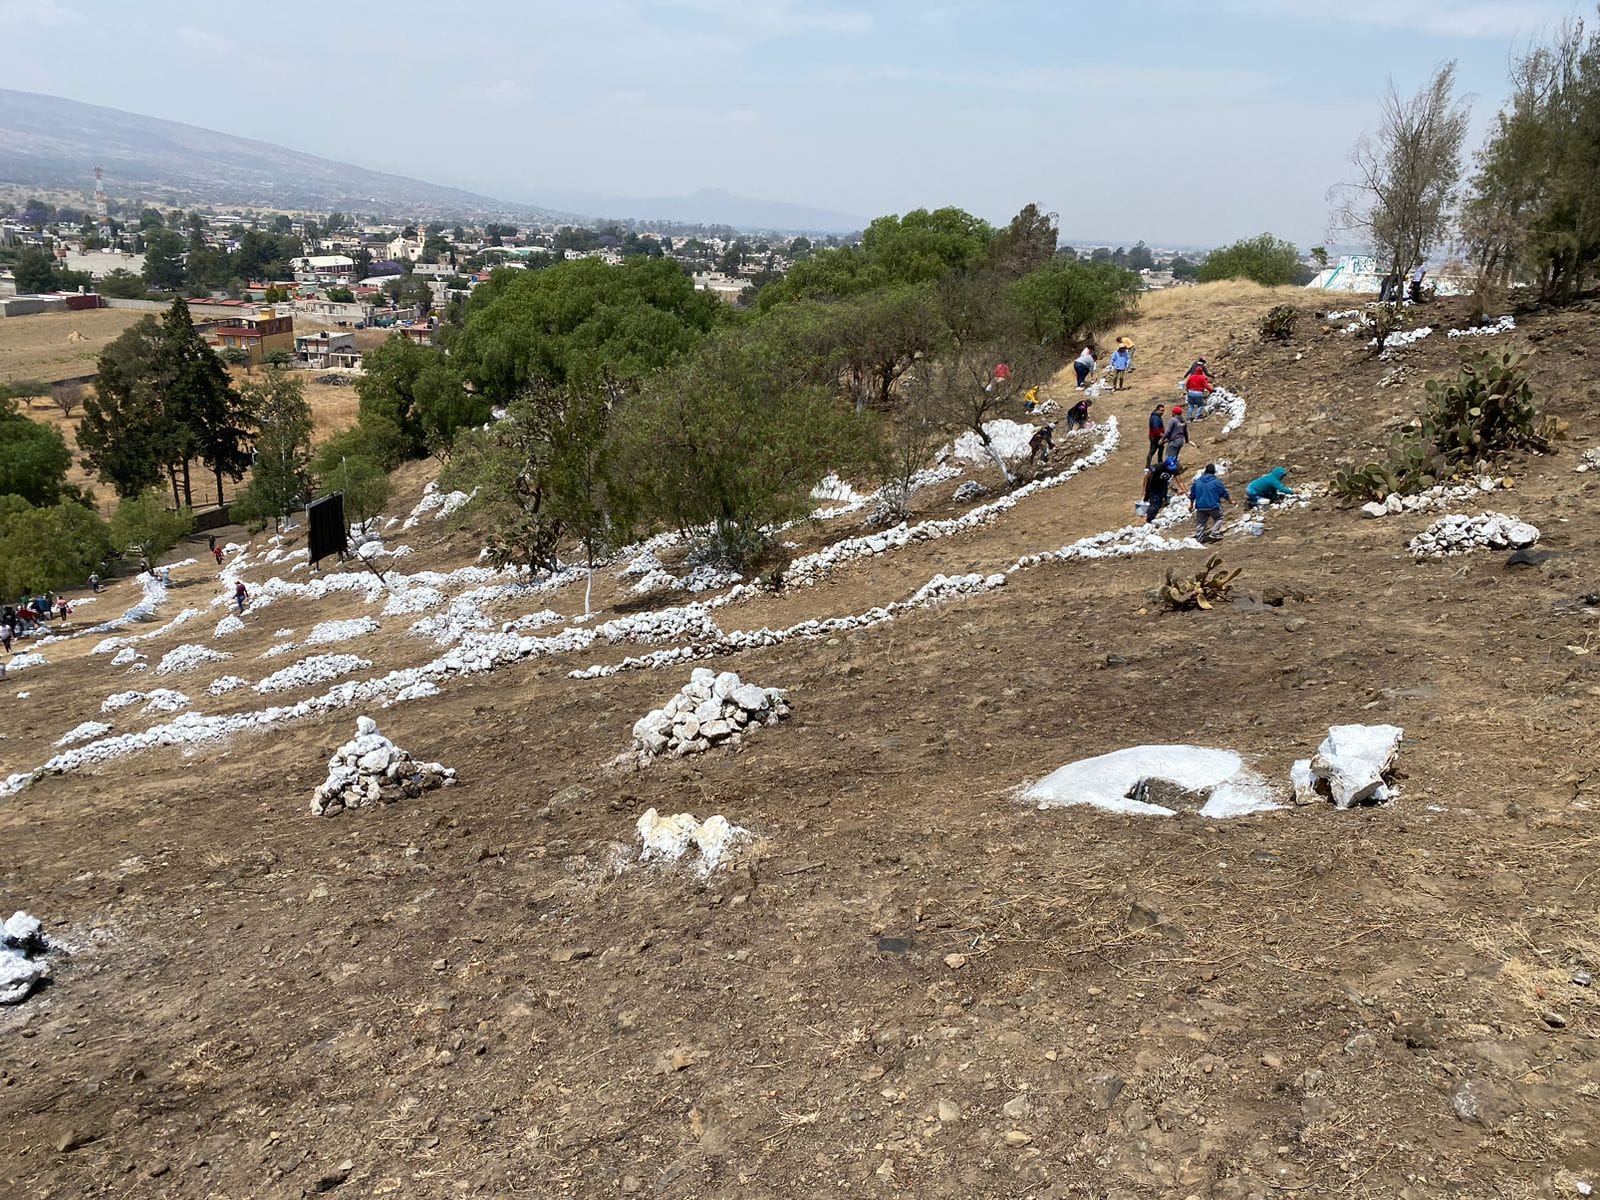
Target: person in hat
{"points": [[1207, 493], [1157, 488], [1158, 434], [1176, 435]]}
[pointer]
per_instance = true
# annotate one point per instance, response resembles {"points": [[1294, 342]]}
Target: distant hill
{"points": [[49, 142], [708, 206]]}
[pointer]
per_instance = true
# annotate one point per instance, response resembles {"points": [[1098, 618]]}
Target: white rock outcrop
{"points": [[370, 769], [711, 710], [1461, 534], [1354, 765]]}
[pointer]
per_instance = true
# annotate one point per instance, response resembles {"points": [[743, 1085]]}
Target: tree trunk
{"points": [[995, 454], [172, 475], [588, 587], [219, 487], [188, 493]]}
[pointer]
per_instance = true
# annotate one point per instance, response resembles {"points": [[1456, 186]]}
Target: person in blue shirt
{"points": [[1269, 488], [1207, 493], [1121, 360]]}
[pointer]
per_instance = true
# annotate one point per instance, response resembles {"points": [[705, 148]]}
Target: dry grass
{"points": [[43, 346]]}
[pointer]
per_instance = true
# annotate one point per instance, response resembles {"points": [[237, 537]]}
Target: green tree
{"points": [[280, 476], [544, 476], [1402, 201], [1269, 261], [146, 526], [726, 448], [415, 392], [1067, 301], [341, 295], [1140, 258], [920, 247], [364, 483], [212, 423], [47, 548], [34, 271], [24, 390], [580, 318], [1182, 268], [122, 285], [126, 435], [163, 261], [33, 459]]}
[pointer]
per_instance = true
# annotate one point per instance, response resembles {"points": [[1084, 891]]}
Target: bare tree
{"points": [[66, 396], [1402, 201]]}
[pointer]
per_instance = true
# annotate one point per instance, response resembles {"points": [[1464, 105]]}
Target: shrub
{"points": [[1487, 411], [1269, 261], [1279, 322], [145, 525]]}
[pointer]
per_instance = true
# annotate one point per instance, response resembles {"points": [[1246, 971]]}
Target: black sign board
{"points": [[328, 532]]}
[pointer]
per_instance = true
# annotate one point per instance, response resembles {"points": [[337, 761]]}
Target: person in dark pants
{"points": [[1158, 432], [1157, 488], [1078, 415], [1207, 493]]}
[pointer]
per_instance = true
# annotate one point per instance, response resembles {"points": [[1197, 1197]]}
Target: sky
{"points": [[1181, 122]]}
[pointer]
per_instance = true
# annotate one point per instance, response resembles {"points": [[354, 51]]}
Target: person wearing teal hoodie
{"points": [[1269, 488]]}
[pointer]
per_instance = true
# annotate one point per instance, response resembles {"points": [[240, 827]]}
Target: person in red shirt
{"points": [[1197, 389]]}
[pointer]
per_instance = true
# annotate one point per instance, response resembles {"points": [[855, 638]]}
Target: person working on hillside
{"points": [[1158, 434], [240, 595], [1078, 414], [1030, 399], [1041, 444], [1126, 343], [1197, 389], [8, 629], [1157, 487], [1084, 366], [1418, 274], [1207, 493], [1121, 361], [1269, 488], [1176, 435]]}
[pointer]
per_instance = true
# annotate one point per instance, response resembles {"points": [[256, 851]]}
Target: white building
{"points": [[324, 268]]}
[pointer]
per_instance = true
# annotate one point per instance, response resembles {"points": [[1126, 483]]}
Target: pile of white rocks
{"points": [[23, 966], [1589, 461], [370, 769], [711, 710], [1505, 324], [1440, 496], [1354, 765], [1461, 534], [185, 658]]}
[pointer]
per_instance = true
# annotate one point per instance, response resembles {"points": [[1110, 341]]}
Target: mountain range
{"points": [[51, 143]]}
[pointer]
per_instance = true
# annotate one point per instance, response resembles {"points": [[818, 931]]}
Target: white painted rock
{"points": [[1118, 781], [1353, 765]]}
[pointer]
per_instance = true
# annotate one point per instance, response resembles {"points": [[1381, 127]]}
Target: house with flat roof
{"points": [[258, 332], [325, 348]]}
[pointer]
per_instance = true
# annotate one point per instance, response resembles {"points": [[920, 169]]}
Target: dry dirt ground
{"points": [[477, 992], [43, 346]]}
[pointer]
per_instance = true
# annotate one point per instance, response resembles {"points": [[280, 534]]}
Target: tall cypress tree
{"points": [[213, 422]]}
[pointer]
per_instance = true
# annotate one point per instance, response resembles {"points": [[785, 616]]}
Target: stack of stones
{"points": [[1460, 534], [370, 769], [23, 946], [711, 710]]}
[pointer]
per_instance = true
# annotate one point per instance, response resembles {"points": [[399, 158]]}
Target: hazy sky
{"points": [[1173, 120]]}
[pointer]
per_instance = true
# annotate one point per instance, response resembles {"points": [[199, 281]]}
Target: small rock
{"points": [[1553, 1019], [69, 1140], [955, 961], [572, 954], [1016, 1137], [1273, 1062], [1582, 978], [1016, 1109], [948, 1112]]}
